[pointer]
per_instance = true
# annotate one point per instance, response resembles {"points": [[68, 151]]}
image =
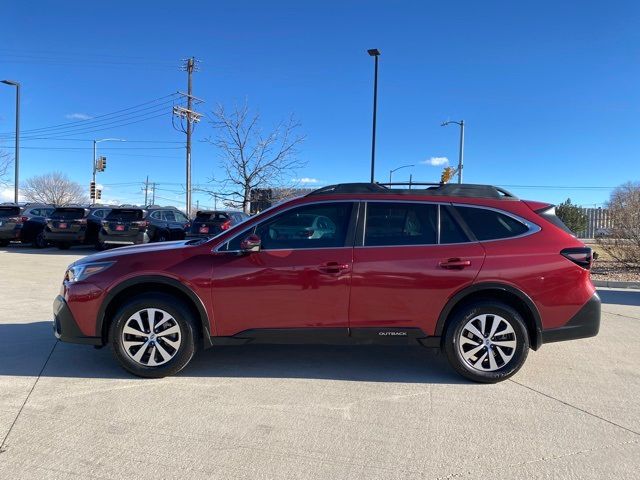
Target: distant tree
{"points": [[572, 216], [55, 188], [250, 158], [623, 239], [5, 162]]}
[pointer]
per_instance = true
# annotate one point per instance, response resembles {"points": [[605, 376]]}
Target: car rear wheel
{"points": [[162, 237], [40, 241], [63, 246], [153, 336], [487, 342]]}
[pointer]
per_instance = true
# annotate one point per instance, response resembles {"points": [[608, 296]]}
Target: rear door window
{"points": [[390, 223], [450, 230], [169, 216], [489, 224]]}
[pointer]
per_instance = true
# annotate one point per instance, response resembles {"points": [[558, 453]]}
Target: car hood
{"points": [[112, 255]]}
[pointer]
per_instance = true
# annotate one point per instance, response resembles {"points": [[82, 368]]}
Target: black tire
{"points": [[39, 241], [63, 245], [162, 237], [183, 317], [495, 310], [100, 246], [4, 243]]}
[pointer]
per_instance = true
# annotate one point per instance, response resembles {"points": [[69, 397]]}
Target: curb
{"points": [[615, 284]]}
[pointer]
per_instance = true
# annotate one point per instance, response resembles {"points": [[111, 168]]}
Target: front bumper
{"points": [[65, 327], [584, 324]]}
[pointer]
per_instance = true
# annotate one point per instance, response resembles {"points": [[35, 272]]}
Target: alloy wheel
{"points": [[487, 342], [151, 337]]}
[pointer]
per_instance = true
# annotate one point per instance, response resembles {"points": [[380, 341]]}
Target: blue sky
{"points": [[548, 90]]}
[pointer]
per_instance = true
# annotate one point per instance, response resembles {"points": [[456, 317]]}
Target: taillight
{"points": [[187, 225], [141, 223], [15, 219], [226, 225], [581, 256], [24, 219], [82, 221]]}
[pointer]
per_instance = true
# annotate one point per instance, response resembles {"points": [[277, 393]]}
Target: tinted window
{"points": [[9, 211], [450, 230], [124, 215], [400, 224], [489, 224], [169, 216], [99, 213], [68, 213], [287, 231], [180, 217], [550, 215], [156, 215]]}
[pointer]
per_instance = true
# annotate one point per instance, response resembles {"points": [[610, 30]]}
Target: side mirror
{"points": [[251, 243]]}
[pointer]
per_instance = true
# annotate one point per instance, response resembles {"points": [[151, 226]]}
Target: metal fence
{"points": [[597, 219]]}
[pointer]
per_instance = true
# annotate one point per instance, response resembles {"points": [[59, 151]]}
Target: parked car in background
{"points": [[74, 225], [24, 223], [131, 225], [470, 269], [209, 223]]}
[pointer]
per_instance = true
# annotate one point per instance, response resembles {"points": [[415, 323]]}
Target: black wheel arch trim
{"points": [[459, 296], [161, 279]]}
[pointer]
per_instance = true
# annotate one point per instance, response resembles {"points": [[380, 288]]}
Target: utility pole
{"points": [[17, 152], [189, 116], [374, 52], [153, 194], [146, 190]]}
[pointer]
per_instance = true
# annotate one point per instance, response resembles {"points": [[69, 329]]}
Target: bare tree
{"points": [[250, 158], [5, 162], [623, 240], [55, 188]]}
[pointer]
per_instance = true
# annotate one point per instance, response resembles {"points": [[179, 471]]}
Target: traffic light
{"points": [[98, 194], [92, 190], [101, 164]]}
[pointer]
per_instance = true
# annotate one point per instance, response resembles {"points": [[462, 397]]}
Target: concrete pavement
{"points": [[299, 412]]}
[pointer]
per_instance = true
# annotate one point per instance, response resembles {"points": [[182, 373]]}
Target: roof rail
{"points": [[435, 189]]}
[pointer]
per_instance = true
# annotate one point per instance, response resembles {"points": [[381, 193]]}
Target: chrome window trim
{"points": [[217, 249]]}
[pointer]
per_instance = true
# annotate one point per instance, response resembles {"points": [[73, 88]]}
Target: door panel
{"points": [[281, 289], [300, 278], [408, 286]]}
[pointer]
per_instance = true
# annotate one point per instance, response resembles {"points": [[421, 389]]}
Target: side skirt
{"points": [[330, 336]]}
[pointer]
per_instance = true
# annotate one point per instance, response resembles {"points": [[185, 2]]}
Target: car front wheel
{"points": [[153, 336], [487, 342]]}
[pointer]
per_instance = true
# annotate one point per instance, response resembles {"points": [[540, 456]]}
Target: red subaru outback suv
{"points": [[470, 269]]}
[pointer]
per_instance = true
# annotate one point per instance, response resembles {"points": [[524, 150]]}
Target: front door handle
{"points": [[334, 267], [455, 263]]}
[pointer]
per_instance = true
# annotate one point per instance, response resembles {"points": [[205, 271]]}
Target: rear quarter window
{"points": [[489, 224]]}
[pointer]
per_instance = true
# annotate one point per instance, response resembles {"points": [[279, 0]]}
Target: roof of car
{"points": [[432, 189]]}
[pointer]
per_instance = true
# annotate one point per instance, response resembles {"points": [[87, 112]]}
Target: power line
{"points": [[85, 123]]}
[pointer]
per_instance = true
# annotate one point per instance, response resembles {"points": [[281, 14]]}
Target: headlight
{"points": [[81, 272]]}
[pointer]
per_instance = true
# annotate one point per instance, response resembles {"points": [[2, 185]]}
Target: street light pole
{"points": [[398, 168], [95, 158], [374, 52], [460, 148], [17, 151]]}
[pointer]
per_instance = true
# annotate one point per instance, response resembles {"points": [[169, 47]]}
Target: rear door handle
{"points": [[334, 267], [455, 263]]}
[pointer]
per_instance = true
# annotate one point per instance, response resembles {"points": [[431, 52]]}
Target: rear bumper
{"points": [[65, 327], [584, 324], [71, 237], [124, 239], [13, 234]]}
